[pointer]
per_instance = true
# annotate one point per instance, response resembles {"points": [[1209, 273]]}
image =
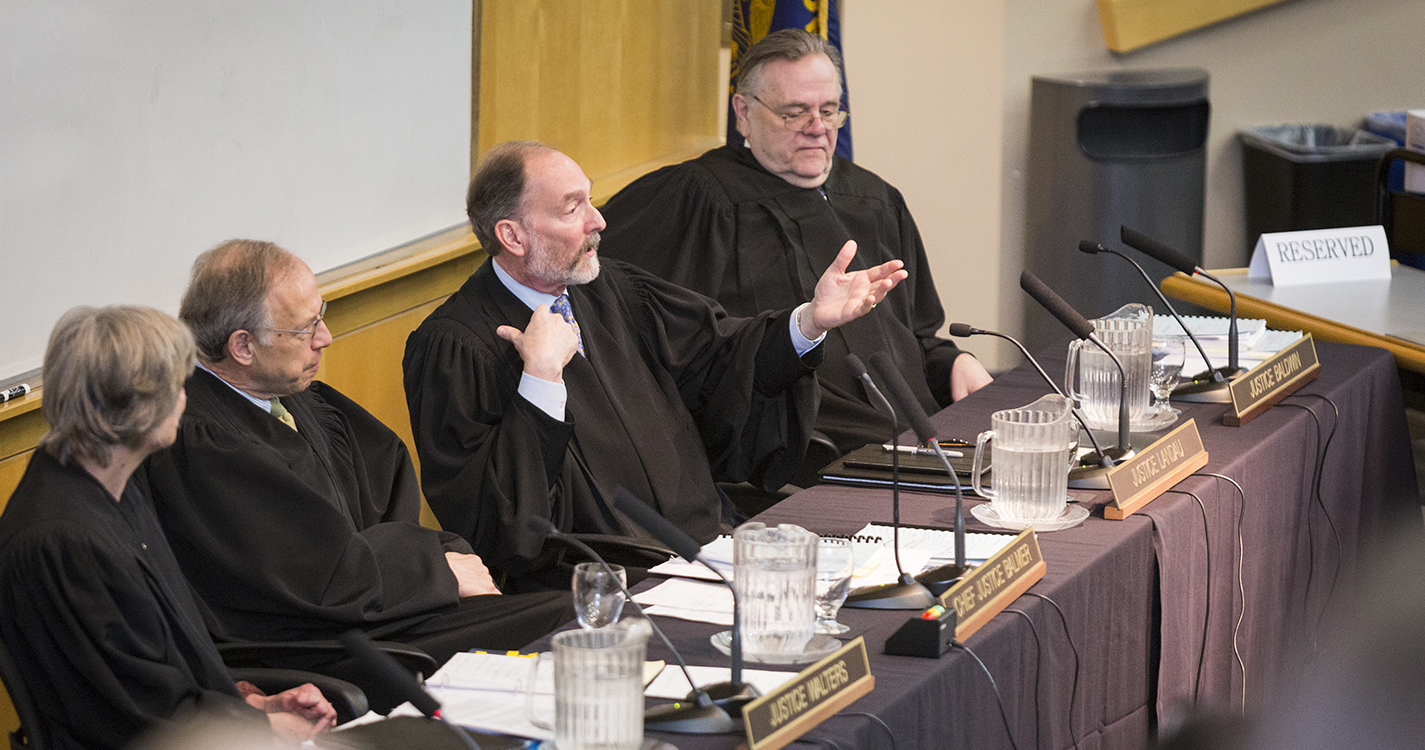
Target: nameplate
{"points": [[1255, 390], [990, 587], [1154, 470], [1319, 256], [818, 692]]}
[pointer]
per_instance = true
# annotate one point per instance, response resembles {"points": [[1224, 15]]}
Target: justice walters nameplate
{"points": [[985, 591], [1154, 470], [1254, 391], [778, 718]]}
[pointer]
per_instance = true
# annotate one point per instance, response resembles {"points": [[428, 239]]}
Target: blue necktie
{"points": [[561, 306]]}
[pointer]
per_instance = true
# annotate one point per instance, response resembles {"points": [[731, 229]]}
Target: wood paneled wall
{"points": [[622, 86]]}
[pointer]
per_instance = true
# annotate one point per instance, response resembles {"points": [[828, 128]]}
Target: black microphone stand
{"points": [[732, 694], [1096, 478], [1213, 388], [1088, 473], [937, 580], [906, 592], [704, 716]]}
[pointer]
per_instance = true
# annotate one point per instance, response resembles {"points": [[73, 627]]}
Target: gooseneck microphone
{"points": [[731, 694], [403, 683], [962, 330], [1082, 328], [941, 578], [704, 716], [906, 592], [1093, 248], [1176, 260]]}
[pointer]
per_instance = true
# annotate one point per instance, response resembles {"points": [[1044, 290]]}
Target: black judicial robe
{"points": [[724, 226], [292, 535], [97, 615], [672, 395]]}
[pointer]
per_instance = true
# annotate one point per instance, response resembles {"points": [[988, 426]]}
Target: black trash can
{"points": [[1309, 177], [1107, 149]]}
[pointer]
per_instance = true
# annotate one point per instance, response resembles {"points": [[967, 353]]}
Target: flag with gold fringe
{"points": [[754, 19]]}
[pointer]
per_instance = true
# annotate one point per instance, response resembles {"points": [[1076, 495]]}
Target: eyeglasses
{"points": [[310, 330], [799, 122]]}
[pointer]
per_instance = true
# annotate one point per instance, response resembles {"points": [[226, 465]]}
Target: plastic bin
{"points": [[1109, 148], [1309, 177]]}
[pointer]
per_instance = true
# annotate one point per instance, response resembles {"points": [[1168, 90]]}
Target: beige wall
{"points": [[924, 77], [948, 94]]}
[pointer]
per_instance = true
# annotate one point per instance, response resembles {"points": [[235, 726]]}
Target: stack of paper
{"points": [[1255, 343], [937, 545]]}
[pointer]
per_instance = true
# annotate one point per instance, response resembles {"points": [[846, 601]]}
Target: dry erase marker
{"points": [[22, 389]]}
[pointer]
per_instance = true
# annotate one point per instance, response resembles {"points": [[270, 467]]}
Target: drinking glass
{"points": [[598, 597], [1168, 355], [834, 564]]}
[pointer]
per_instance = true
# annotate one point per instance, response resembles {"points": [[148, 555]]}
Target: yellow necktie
{"points": [[283, 416]]}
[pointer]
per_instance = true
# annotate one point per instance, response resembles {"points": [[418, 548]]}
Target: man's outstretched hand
{"points": [[842, 297]]}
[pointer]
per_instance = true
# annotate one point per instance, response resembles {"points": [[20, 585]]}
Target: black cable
{"points": [[1074, 691], [1004, 717], [876, 719], [1241, 587], [1207, 605], [823, 741], [1319, 460], [1336, 535], [1038, 666]]}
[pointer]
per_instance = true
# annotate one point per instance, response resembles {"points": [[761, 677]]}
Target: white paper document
{"points": [[671, 684], [689, 600]]}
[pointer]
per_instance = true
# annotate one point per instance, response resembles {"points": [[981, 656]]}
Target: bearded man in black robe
{"points": [[751, 226], [295, 512], [549, 380]]}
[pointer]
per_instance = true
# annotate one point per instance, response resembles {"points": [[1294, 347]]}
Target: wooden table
{"points": [[1387, 314]]}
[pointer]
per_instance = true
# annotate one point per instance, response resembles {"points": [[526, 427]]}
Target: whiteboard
{"points": [[134, 134]]}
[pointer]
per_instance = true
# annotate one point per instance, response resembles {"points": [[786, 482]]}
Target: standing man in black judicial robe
{"points": [[751, 227], [294, 511], [617, 378]]}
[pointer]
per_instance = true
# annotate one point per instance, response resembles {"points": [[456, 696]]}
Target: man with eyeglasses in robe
{"points": [[292, 510], [752, 226]]}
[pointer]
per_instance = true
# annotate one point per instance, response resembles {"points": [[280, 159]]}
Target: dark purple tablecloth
{"points": [[1136, 591]]}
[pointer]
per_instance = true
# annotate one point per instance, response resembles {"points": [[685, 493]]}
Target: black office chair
{"points": [[326, 661], [1402, 214], [33, 734]]}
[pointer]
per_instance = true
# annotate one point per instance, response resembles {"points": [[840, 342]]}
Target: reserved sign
{"points": [[1319, 256], [1154, 470], [778, 718], [1255, 390], [985, 591]]}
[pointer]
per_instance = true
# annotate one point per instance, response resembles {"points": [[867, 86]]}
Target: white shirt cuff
{"points": [[549, 397], [799, 341]]}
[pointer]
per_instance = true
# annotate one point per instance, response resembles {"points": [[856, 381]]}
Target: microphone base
{"points": [[1092, 474], [728, 695], [1207, 391], [939, 580], [685, 718], [912, 595]]}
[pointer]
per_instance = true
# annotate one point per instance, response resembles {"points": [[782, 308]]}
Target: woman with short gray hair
{"points": [[93, 607]]}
